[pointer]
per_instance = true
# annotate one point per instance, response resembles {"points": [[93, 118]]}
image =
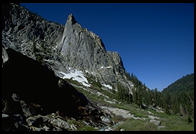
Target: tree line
{"points": [[173, 102]]}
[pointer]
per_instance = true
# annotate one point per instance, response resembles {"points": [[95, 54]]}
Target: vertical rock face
{"points": [[27, 32], [84, 50], [81, 49], [63, 47]]}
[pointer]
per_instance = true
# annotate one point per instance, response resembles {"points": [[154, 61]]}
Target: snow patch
{"points": [[102, 67], [77, 76], [93, 73], [108, 86], [108, 67], [5, 115], [131, 85], [86, 71]]}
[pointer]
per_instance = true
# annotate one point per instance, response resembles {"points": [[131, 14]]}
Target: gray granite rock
{"points": [[62, 47], [156, 122], [83, 50], [4, 56]]}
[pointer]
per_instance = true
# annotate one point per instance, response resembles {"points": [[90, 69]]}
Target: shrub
{"points": [[92, 81]]}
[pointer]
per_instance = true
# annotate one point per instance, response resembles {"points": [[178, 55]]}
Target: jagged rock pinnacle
{"points": [[71, 19], [73, 46]]}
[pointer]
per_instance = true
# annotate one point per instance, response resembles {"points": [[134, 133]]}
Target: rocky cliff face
{"points": [[84, 50], [64, 49], [26, 32]]}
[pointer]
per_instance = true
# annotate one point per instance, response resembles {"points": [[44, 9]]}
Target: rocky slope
{"points": [[33, 86], [64, 49], [34, 98], [44, 66], [59, 78]]}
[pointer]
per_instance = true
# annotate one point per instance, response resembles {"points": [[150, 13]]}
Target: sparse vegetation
{"points": [[170, 121], [87, 128], [95, 84], [73, 82], [137, 125], [80, 125]]}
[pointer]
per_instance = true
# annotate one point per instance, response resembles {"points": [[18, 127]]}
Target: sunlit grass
{"points": [[171, 122], [136, 125]]}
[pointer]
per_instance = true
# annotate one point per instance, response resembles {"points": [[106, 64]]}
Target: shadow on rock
{"points": [[37, 84]]}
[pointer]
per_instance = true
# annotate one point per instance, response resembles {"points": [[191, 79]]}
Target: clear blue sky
{"points": [[155, 41]]}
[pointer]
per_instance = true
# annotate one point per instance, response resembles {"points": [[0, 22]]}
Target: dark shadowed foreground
{"points": [[29, 88]]}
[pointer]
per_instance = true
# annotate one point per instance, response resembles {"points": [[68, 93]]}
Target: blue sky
{"points": [[155, 41]]}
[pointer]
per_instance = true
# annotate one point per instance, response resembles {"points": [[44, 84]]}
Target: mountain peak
{"points": [[71, 19]]}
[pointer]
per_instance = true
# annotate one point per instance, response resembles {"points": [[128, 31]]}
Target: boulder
{"points": [[156, 122]]}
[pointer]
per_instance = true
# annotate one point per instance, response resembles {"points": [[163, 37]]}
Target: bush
{"points": [[96, 84], [39, 58], [189, 119]]}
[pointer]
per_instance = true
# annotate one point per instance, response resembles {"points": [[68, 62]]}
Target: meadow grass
{"points": [[171, 122], [136, 125]]}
